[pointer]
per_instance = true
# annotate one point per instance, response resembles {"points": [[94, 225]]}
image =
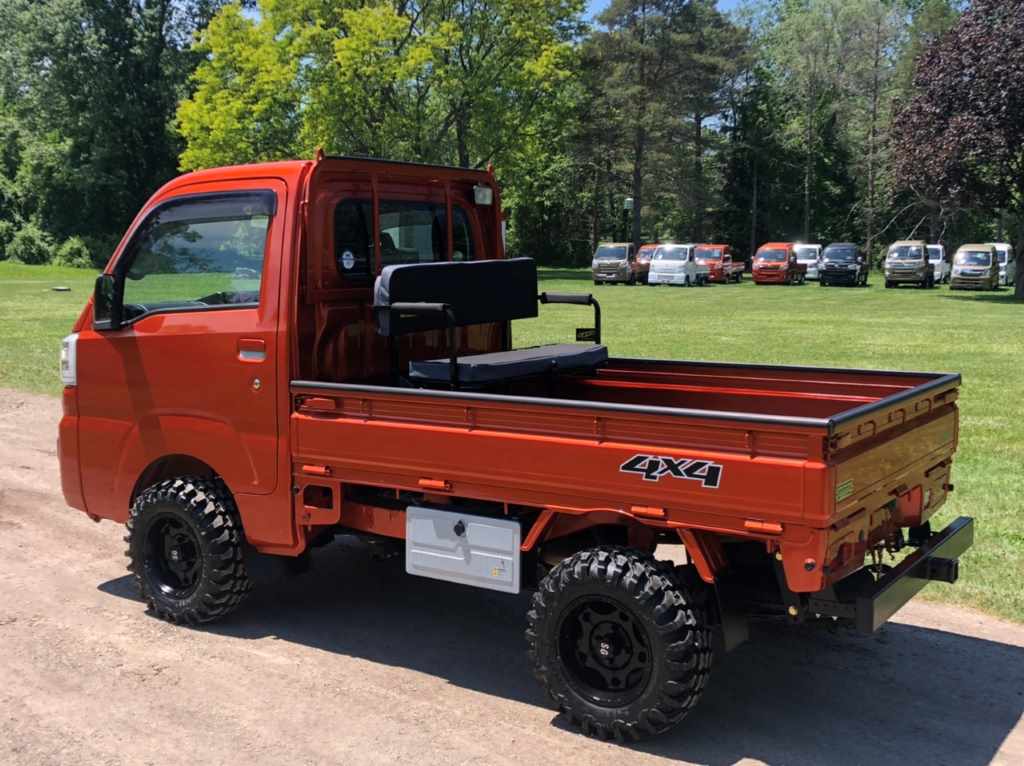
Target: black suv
{"points": [[843, 263]]}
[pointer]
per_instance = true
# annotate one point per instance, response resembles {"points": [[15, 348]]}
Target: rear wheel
{"points": [[185, 550], [888, 285], [620, 642]]}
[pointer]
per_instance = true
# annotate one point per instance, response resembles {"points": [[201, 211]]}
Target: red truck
{"points": [[777, 263], [722, 267], [279, 353]]}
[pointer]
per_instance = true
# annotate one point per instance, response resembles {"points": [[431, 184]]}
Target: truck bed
{"points": [[796, 448]]}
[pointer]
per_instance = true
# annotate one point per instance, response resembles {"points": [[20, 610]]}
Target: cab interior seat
{"points": [[446, 295]]}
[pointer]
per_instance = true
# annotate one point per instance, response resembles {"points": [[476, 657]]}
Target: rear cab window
{"points": [[410, 232]]}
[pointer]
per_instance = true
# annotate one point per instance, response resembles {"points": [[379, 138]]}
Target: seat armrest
{"points": [[578, 299]]}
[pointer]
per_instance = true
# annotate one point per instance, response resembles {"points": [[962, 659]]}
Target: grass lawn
{"points": [[980, 335]]}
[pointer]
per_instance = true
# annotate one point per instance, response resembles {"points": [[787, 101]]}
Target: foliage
{"points": [[783, 120], [961, 135], [7, 231], [75, 253], [30, 245]]}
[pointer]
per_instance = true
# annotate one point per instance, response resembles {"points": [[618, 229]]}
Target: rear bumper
{"points": [[973, 283], [870, 603], [913, 277], [616, 277], [840, 277], [667, 278]]}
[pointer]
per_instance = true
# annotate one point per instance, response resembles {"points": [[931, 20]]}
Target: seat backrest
{"points": [[477, 291]]}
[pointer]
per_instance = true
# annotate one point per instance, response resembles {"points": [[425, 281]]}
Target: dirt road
{"points": [[355, 663]]}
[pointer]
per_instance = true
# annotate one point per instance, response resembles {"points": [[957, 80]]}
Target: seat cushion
{"points": [[478, 369]]}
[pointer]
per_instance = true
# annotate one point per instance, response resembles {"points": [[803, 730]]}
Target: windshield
{"points": [[610, 253], [772, 256], [974, 258], [708, 254], [906, 253], [806, 253], [934, 253], [670, 253], [841, 254]]}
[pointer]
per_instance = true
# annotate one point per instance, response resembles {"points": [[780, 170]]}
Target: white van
{"points": [[1007, 263], [937, 258], [676, 265], [810, 256]]}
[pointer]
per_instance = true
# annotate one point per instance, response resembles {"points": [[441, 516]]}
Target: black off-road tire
{"points": [[202, 513], [666, 624]]}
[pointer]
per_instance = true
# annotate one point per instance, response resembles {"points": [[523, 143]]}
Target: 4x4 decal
{"points": [[653, 467]]}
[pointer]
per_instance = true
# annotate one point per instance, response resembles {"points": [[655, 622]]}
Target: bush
{"points": [[7, 229], [74, 252], [30, 245]]}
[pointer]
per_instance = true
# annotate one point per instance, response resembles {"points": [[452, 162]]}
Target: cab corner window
{"points": [[199, 253]]}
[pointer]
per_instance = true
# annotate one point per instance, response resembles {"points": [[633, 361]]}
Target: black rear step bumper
{"points": [[870, 603]]}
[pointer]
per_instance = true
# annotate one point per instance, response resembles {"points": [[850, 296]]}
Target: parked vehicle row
{"points": [[907, 262]]}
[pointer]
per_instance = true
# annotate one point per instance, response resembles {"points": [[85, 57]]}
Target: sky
{"points": [[594, 7]]}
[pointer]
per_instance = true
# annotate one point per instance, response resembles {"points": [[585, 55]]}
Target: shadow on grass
{"points": [[582, 275], [792, 695], [1001, 295]]}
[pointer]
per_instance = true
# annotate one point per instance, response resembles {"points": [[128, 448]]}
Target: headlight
{"points": [[69, 360]]}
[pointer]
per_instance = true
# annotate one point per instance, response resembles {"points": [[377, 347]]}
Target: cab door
{"points": [[190, 375]]}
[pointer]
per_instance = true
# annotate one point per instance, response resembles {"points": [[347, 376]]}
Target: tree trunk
{"points": [[872, 141], [698, 177], [639, 149], [808, 163], [1018, 292], [461, 135], [753, 210]]}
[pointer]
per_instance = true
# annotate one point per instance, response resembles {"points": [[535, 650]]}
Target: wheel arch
{"points": [[169, 467]]}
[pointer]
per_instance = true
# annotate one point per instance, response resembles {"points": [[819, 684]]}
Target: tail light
{"points": [[69, 360]]}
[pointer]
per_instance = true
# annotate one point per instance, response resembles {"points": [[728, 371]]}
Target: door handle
{"points": [[252, 350]]}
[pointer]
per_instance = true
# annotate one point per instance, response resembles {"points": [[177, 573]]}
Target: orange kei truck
{"points": [[277, 354]]}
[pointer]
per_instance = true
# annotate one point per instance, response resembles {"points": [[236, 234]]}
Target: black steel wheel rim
{"points": [[174, 561], [605, 651]]}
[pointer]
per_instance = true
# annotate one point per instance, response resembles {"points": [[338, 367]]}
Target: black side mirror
{"points": [[107, 303]]}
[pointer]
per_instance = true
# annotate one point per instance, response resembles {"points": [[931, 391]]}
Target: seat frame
{"points": [[446, 315]]}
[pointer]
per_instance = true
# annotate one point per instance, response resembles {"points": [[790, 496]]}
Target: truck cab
{"points": [[776, 263], [843, 263], [810, 256], [1007, 263], [279, 354], [719, 261], [975, 266], [643, 261], [940, 263], [614, 262], [907, 263], [674, 264]]}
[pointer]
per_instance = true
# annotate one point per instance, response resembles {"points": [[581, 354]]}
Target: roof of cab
{"points": [[909, 242], [775, 245], [975, 246]]}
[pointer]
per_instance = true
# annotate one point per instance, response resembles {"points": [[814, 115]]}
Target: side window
{"points": [[462, 234], [199, 252], [352, 231]]}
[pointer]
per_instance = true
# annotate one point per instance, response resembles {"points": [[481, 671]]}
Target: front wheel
{"points": [[185, 547], [620, 643]]}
